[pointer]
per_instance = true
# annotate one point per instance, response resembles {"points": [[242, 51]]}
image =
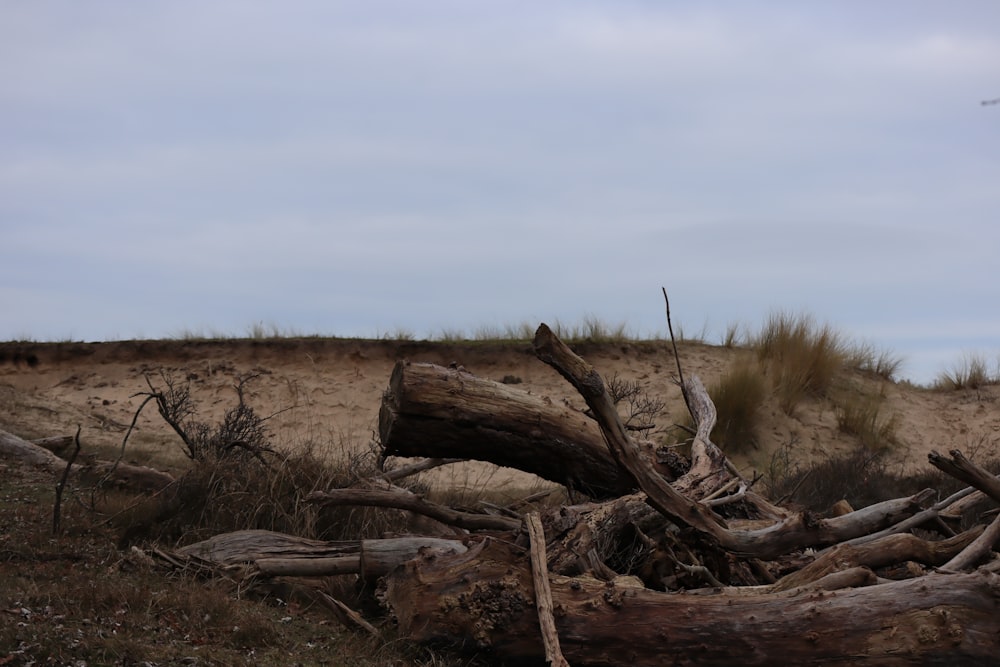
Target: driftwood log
{"points": [[828, 608], [485, 598], [127, 475], [279, 555], [439, 412], [655, 567]]}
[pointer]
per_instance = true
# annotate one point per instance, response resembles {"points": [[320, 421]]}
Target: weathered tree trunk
{"points": [[278, 554], [879, 553], [961, 468], [441, 412], [139, 478], [486, 597]]}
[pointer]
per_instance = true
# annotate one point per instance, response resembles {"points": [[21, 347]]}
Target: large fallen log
{"points": [[277, 554], [135, 477], [483, 600], [439, 412]]}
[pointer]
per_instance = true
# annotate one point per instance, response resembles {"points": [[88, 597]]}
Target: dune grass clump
{"points": [[801, 357], [972, 372], [738, 396], [873, 360]]}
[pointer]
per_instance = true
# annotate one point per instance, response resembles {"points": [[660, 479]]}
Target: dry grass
{"points": [[738, 396], [861, 413], [972, 372], [802, 358], [76, 599], [873, 360]]}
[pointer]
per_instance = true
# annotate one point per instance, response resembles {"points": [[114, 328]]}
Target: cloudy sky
{"points": [[364, 168]]}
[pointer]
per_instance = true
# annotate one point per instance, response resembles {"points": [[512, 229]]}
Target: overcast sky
{"points": [[363, 168]]}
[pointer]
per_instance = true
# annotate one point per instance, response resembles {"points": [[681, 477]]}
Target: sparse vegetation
{"points": [[243, 482], [76, 599], [972, 372], [642, 410], [861, 476], [873, 360], [733, 336], [801, 357], [738, 397], [861, 413], [593, 330]]}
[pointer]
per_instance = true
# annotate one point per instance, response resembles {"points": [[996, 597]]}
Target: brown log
{"points": [[403, 499], [380, 557], [961, 468], [978, 550], [972, 503], [278, 554], [57, 444], [483, 599], [19, 449], [135, 477], [797, 531], [440, 412], [247, 546], [917, 519], [879, 553]]}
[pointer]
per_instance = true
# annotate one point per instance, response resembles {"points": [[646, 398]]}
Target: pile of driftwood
{"points": [[663, 563]]}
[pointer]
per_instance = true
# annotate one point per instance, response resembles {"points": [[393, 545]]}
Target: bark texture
{"points": [[486, 596], [440, 412]]}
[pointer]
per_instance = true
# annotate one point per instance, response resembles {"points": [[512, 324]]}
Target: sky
{"points": [[371, 168]]}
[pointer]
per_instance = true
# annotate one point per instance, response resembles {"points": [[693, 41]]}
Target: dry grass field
{"points": [[790, 399]]}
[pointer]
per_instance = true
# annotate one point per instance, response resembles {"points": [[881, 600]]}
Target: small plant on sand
{"points": [[801, 357]]}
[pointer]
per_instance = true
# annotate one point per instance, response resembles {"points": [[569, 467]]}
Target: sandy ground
{"points": [[327, 392]]}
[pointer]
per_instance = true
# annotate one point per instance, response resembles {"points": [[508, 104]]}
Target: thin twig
{"points": [[677, 359], [347, 616], [56, 509]]}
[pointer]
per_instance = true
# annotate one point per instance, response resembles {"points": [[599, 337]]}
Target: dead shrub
{"points": [[642, 410], [241, 481]]}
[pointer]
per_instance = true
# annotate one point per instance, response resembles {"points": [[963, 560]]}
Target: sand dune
{"points": [[327, 392]]}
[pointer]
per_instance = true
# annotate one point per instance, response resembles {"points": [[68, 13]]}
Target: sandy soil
{"points": [[327, 392]]}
